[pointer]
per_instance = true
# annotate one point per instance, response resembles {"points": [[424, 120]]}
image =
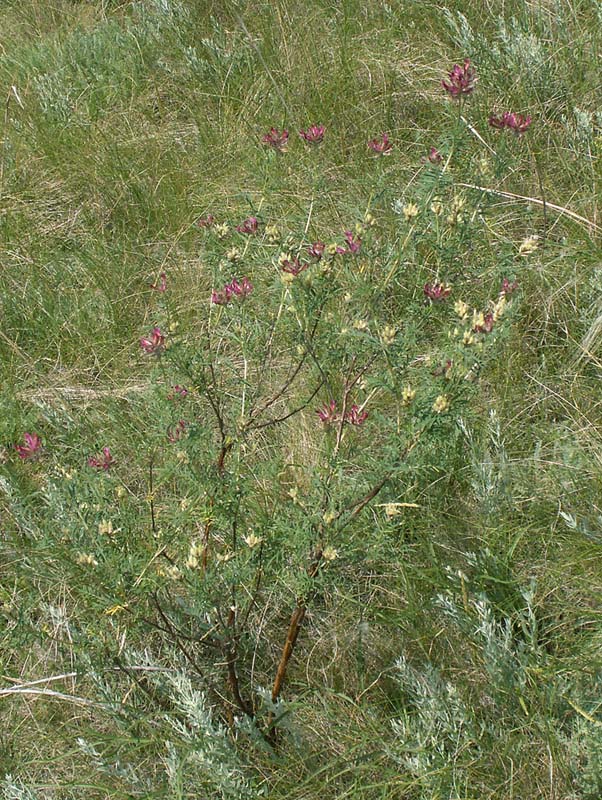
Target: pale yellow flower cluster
{"points": [[407, 395], [86, 560], [456, 214], [528, 245], [441, 404], [387, 335], [272, 233], [195, 553], [410, 211], [252, 540]]}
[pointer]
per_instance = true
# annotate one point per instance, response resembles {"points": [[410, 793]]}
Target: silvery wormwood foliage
{"points": [[13, 789], [508, 645], [436, 734], [203, 754]]}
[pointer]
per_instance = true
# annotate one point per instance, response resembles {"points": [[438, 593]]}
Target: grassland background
{"points": [[122, 123]]}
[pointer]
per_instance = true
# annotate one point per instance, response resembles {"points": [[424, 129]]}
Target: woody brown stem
{"points": [[294, 626]]}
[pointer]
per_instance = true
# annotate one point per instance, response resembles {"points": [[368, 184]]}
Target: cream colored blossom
{"points": [[233, 254], [441, 404], [461, 309], [272, 233], [369, 220], [468, 338], [172, 572], [499, 307], [360, 325], [478, 319], [457, 210], [528, 245], [407, 395], [485, 166], [410, 211], [329, 516], [86, 560], [221, 230], [387, 335], [437, 207], [330, 553], [105, 527], [194, 554], [253, 540]]}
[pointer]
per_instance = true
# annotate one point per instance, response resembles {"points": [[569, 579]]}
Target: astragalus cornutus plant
{"points": [[280, 426]]}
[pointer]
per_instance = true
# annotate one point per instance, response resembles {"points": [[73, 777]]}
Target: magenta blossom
{"points": [[328, 412], [205, 222], [177, 431], [161, 284], [461, 80], [104, 462], [249, 225], [155, 344], [514, 122], [276, 139], [177, 391], [382, 146], [314, 134], [487, 325], [235, 288], [242, 289], [434, 156], [32, 447], [316, 250], [437, 291], [353, 243], [294, 267], [356, 417], [507, 287]]}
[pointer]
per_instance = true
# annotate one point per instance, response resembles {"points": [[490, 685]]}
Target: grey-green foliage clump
{"points": [[585, 747]]}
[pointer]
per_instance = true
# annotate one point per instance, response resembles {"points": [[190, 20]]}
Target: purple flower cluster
{"points": [[32, 447], [461, 80], [104, 461], [314, 134], [248, 225], [233, 289], [517, 123], [436, 291], [155, 343], [329, 414]]}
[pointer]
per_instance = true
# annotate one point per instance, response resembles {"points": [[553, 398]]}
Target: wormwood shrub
{"points": [[286, 425]]}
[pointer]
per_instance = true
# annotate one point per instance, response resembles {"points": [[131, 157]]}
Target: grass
{"points": [[450, 650]]}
